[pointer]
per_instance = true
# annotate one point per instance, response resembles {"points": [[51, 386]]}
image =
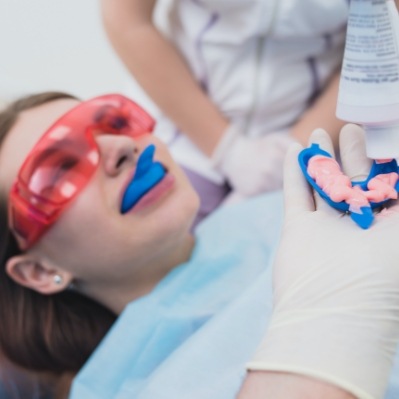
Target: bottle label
{"points": [[370, 70]]}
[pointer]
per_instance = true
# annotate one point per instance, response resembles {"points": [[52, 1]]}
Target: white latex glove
{"points": [[251, 165], [336, 286]]}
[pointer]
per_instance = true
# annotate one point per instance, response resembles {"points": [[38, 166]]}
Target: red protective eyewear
{"points": [[64, 159]]}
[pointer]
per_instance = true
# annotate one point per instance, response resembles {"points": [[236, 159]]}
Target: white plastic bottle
{"points": [[369, 86]]}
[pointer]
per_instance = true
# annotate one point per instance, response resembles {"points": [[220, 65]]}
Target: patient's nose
{"points": [[116, 153]]}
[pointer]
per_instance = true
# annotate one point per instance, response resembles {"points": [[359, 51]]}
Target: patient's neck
{"points": [[117, 296]]}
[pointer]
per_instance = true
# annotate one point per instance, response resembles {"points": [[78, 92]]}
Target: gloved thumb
{"points": [[355, 163]]}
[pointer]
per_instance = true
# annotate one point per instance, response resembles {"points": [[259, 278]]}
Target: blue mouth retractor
{"points": [[148, 174], [366, 217]]}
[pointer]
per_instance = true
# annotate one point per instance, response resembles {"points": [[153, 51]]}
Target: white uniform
{"points": [[260, 61]]}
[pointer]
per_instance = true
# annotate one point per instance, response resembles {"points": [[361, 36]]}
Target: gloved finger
{"points": [[321, 137], [298, 197], [355, 163]]}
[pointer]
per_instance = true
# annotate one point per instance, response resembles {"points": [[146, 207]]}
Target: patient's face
{"points": [[92, 238]]}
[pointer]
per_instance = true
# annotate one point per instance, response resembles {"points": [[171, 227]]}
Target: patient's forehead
{"points": [[30, 126]]}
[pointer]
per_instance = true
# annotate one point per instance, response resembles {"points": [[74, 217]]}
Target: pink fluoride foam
{"points": [[327, 174], [381, 187]]}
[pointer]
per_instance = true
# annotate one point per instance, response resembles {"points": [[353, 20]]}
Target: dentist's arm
{"points": [[321, 115], [269, 385], [161, 71]]}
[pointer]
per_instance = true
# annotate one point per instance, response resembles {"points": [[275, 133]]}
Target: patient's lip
{"points": [[155, 194]]}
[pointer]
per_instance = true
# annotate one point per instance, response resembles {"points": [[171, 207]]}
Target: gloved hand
{"points": [[251, 165], [336, 286]]}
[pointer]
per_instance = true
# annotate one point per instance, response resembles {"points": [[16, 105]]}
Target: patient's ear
{"points": [[43, 278]]}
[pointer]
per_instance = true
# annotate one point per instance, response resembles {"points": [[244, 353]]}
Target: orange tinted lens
{"points": [[61, 169], [65, 158]]}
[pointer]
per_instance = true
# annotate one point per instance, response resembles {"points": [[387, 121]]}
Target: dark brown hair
{"points": [[44, 333]]}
